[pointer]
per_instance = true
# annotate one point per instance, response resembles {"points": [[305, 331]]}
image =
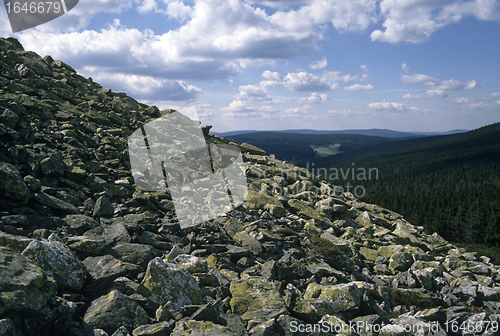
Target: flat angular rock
{"points": [[103, 207], [104, 269], [255, 299], [55, 203], [12, 184], [58, 261], [303, 209], [14, 242], [157, 329], [24, 287], [393, 330], [80, 223], [155, 240], [168, 282], [139, 254], [191, 264], [333, 299], [111, 311], [112, 234], [205, 328], [53, 165], [87, 246]]}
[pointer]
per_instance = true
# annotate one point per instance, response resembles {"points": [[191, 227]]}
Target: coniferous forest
{"points": [[450, 185]]}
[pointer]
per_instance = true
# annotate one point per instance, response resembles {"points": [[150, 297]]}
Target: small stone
{"points": [[76, 174], [14, 242], [138, 254], [53, 165], [12, 184], [104, 269], [80, 223], [9, 118], [103, 207], [393, 330], [55, 203], [157, 329], [33, 183]]}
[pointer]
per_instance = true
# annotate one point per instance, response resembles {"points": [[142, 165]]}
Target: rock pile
{"points": [[85, 252]]}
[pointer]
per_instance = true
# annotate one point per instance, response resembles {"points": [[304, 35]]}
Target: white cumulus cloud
{"points": [[387, 106], [253, 93], [315, 97], [359, 87], [416, 20], [304, 81], [320, 64], [418, 78]]}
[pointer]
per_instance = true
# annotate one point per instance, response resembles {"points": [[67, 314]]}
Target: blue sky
{"points": [[408, 65]]}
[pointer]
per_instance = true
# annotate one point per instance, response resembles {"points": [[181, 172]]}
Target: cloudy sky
{"points": [[408, 65]]}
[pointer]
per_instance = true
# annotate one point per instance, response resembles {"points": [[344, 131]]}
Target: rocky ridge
{"points": [[85, 252]]}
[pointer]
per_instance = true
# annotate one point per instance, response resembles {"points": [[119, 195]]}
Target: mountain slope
{"points": [[84, 251]]}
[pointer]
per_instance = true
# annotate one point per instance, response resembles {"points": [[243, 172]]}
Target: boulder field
{"points": [[84, 251]]}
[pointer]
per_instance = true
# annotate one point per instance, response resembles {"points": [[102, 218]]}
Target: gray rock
{"points": [[24, 287], [256, 299], [167, 282], [15, 243], [12, 184], [103, 207], [53, 165], [80, 223], [138, 254], [149, 238], [191, 264], [122, 331], [104, 269], [333, 299], [157, 329], [58, 261], [9, 118], [112, 234], [7, 327], [111, 311], [206, 328], [55, 203], [86, 246], [393, 330]]}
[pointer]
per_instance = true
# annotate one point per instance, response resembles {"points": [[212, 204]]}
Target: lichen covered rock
{"points": [[170, 283], [111, 311], [333, 299], [58, 261]]}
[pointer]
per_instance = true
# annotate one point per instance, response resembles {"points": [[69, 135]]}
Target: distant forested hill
{"points": [[301, 148], [449, 184]]}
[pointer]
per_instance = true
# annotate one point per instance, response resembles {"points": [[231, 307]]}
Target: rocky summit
{"points": [[84, 251]]}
